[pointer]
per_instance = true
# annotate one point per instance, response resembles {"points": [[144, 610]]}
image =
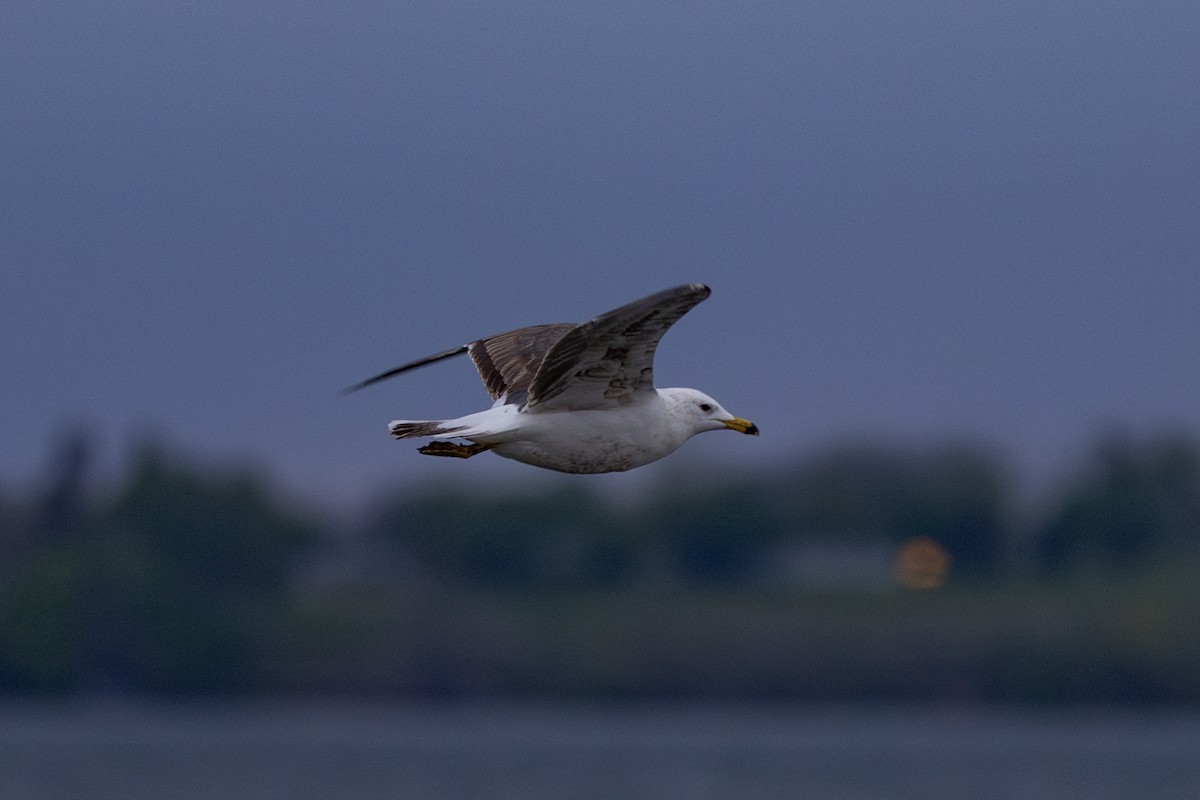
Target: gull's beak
{"points": [[741, 425]]}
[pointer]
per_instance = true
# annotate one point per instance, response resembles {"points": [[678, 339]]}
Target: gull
{"points": [[576, 398]]}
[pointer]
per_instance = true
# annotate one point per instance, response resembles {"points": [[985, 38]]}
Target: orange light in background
{"points": [[922, 563]]}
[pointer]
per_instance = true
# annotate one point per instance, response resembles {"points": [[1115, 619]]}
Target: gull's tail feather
{"points": [[416, 428]]}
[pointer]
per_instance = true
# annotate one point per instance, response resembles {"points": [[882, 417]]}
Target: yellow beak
{"points": [[741, 425]]}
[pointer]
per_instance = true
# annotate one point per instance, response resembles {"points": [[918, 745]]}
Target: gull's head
{"points": [[701, 413]]}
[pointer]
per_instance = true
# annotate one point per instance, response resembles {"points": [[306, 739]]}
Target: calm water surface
{"points": [[530, 753]]}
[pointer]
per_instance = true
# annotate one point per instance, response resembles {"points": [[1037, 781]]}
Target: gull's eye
{"points": [[705, 407]]}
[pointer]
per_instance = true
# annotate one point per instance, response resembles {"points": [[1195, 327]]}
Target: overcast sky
{"points": [[919, 219]]}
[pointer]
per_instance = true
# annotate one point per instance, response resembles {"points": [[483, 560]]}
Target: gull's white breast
{"points": [[592, 441]]}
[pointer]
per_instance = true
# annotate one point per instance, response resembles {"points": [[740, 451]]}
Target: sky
{"points": [[920, 220]]}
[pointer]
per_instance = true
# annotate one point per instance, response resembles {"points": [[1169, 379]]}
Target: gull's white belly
{"points": [[612, 440]]}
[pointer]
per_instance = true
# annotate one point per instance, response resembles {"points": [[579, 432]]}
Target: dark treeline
{"points": [[863, 572]]}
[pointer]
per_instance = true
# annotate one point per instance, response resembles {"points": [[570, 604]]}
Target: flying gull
{"points": [[577, 398]]}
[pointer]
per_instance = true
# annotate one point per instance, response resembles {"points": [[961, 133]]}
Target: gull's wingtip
{"points": [[420, 362]]}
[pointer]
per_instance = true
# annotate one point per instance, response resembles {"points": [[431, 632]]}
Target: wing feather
{"points": [[609, 361], [508, 361]]}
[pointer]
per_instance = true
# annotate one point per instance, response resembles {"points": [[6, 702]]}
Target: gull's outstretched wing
{"points": [[609, 361], [420, 362], [600, 364], [507, 362]]}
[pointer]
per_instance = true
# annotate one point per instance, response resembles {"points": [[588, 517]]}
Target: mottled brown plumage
{"points": [[508, 362]]}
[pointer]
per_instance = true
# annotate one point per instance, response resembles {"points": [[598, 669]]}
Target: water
{"points": [[614, 753]]}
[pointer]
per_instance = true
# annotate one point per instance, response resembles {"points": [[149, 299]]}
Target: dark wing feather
{"points": [[610, 360], [420, 362], [508, 361]]}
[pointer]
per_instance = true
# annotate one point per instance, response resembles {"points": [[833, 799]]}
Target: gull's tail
{"points": [[416, 428]]}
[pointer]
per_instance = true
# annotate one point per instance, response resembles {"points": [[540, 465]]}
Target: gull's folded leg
{"points": [[453, 449]]}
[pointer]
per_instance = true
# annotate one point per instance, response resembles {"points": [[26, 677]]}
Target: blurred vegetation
{"points": [[864, 572]]}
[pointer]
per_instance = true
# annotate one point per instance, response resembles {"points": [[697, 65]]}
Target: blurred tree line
{"points": [[799, 583]]}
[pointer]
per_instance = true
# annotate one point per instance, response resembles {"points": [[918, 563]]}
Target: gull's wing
{"points": [[507, 362], [599, 364], [420, 362], [610, 361]]}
